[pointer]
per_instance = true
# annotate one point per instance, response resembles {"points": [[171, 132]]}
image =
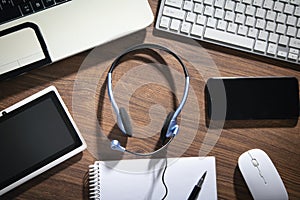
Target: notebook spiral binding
{"points": [[94, 181]]}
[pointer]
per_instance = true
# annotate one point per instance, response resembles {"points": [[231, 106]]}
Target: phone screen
{"points": [[263, 98]]}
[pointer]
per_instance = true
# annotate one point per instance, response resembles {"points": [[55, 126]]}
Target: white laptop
{"points": [[35, 33]]}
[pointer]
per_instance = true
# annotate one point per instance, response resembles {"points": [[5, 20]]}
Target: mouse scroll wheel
{"points": [[254, 162]]}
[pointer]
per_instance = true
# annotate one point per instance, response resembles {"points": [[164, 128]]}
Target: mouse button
{"points": [[273, 179], [266, 165], [246, 167], [280, 190], [258, 154], [244, 157], [254, 162], [274, 191]]}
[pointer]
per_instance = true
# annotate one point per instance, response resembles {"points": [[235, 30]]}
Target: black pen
{"points": [[197, 188]]}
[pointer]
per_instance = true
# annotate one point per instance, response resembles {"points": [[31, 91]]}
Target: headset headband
{"points": [[172, 124]]}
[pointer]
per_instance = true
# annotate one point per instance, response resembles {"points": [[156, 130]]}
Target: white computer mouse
{"points": [[261, 176]]}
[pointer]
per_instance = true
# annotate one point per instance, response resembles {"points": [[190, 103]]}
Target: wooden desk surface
{"points": [[67, 181]]}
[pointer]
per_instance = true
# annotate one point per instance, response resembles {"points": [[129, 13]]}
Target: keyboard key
{"points": [[292, 56], [260, 13], [252, 32], [282, 54], [268, 4], [289, 9], [175, 24], [222, 25], [240, 19], [232, 27], [297, 11], [201, 19], [229, 5], [173, 12], [272, 49], [211, 22], [229, 16], [6, 4], [282, 51], [270, 26], [294, 51], [188, 5], [208, 10], [295, 2], [219, 13], [242, 30], [273, 37], [263, 35], [48, 3], [37, 5], [260, 24], [190, 17], [291, 31], [197, 30], [198, 8], [26, 8], [281, 18], [250, 10], [17, 2], [247, 2], [257, 3], [260, 46], [225, 37], [295, 43], [208, 2], [175, 3], [283, 40], [278, 6], [185, 28], [271, 15], [8, 14], [291, 20], [250, 21], [219, 3], [240, 8], [280, 29], [164, 22]]}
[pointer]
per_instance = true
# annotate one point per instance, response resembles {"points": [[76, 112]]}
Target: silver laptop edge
{"points": [[66, 30]]}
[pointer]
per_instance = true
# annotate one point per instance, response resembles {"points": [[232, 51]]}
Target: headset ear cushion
{"points": [[125, 121], [163, 132]]}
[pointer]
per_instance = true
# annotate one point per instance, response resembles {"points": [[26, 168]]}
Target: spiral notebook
{"points": [[142, 178]]}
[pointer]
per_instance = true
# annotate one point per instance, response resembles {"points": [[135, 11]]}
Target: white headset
{"points": [[170, 128]]}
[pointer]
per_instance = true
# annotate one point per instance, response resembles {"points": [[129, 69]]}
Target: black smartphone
{"points": [[248, 101]]}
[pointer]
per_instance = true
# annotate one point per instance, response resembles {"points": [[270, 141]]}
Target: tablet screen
{"points": [[33, 136]]}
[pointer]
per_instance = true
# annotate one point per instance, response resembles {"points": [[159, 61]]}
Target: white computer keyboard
{"points": [[265, 27]]}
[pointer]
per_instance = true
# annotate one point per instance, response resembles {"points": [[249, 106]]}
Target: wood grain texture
{"points": [[68, 180]]}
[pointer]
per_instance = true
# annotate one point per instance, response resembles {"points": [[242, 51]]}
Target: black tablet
{"points": [[35, 135]]}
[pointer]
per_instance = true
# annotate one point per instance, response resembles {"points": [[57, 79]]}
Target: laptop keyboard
{"points": [[13, 9]]}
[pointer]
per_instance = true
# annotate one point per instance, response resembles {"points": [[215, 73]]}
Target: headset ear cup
{"points": [[164, 129], [125, 121]]}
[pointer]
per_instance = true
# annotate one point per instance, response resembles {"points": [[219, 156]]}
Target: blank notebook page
{"points": [[142, 178]]}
